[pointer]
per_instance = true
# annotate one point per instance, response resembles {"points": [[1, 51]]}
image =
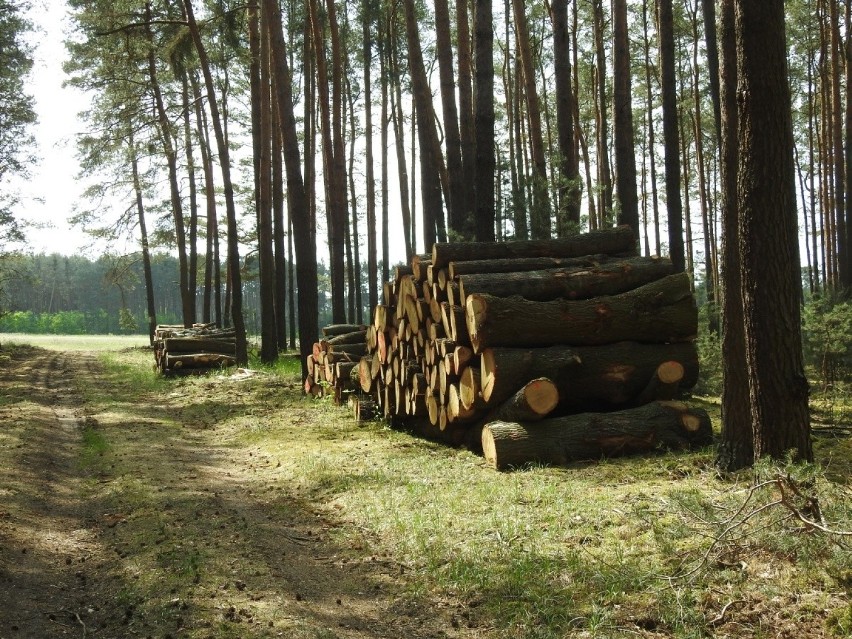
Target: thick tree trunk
{"points": [[768, 239], [558, 441], [305, 247], [736, 448], [372, 229], [427, 134]]}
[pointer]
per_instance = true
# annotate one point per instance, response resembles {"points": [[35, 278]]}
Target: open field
{"points": [[75, 342], [232, 506]]}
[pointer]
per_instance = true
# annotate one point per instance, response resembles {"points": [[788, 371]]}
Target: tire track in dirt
{"points": [[46, 548], [174, 531]]}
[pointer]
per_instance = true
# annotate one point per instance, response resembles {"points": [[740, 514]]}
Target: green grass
{"points": [[76, 342], [653, 546]]}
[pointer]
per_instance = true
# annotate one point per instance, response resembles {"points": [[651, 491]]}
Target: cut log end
{"points": [[542, 396]]}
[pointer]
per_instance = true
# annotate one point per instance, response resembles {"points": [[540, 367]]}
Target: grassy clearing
{"points": [[659, 546], [75, 342]]}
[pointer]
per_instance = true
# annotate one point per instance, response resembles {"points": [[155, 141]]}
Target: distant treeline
{"points": [[76, 295]]}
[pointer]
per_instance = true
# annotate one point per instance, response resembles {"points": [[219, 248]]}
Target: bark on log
{"points": [[199, 360], [332, 330], [588, 377], [199, 345], [561, 440], [662, 311], [355, 337], [569, 283], [609, 241], [521, 264]]}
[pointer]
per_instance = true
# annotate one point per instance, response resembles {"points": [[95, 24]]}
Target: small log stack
{"points": [[333, 360], [180, 350], [541, 350]]}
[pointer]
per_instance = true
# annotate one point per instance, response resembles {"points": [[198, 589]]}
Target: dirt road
{"points": [[146, 520]]}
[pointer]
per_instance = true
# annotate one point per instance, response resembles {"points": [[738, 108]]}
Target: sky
{"points": [[51, 193]]}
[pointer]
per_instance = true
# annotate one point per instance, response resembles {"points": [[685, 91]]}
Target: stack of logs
{"points": [[180, 350], [536, 351], [333, 361]]}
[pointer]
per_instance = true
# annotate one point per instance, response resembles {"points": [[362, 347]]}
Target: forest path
{"points": [[147, 520]]}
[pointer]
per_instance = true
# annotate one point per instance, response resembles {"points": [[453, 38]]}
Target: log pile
{"points": [[541, 350], [333, 360], [180, 350]]}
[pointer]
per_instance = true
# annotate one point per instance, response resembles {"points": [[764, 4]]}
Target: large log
{"points": [[557, 441], [199, 345], [610, 241], [333, 330], [662, 311], [199, 360], [520, 264], [569, 283], [590, 377], [504, 370]]}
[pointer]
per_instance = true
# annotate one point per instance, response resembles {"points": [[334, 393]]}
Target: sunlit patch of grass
{"points": [[77, 342], [94, 447]]}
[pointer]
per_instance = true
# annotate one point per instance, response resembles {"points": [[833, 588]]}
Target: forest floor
{"points": [[229, 505], [141, 521]]}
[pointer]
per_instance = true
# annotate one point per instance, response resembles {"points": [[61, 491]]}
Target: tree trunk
{"points": [[225, 161], [736, 448], [540, 208], [663, 311], [558, 441], [305, 247], [466, 127], [372, 229], [568, 216], [670, 134], [143, 234], [430, 186], [625, 156], [483, 49], [768, 239], [456, 214], [532, 402], [262, 138], [171, 162]]}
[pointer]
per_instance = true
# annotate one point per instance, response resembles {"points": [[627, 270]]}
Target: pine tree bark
{"points": [[668, 81], [305, 247], [485, 161], [568, 215], [768, 239], [540, 205], [625, 157], [736, 448], [228, 187]]}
